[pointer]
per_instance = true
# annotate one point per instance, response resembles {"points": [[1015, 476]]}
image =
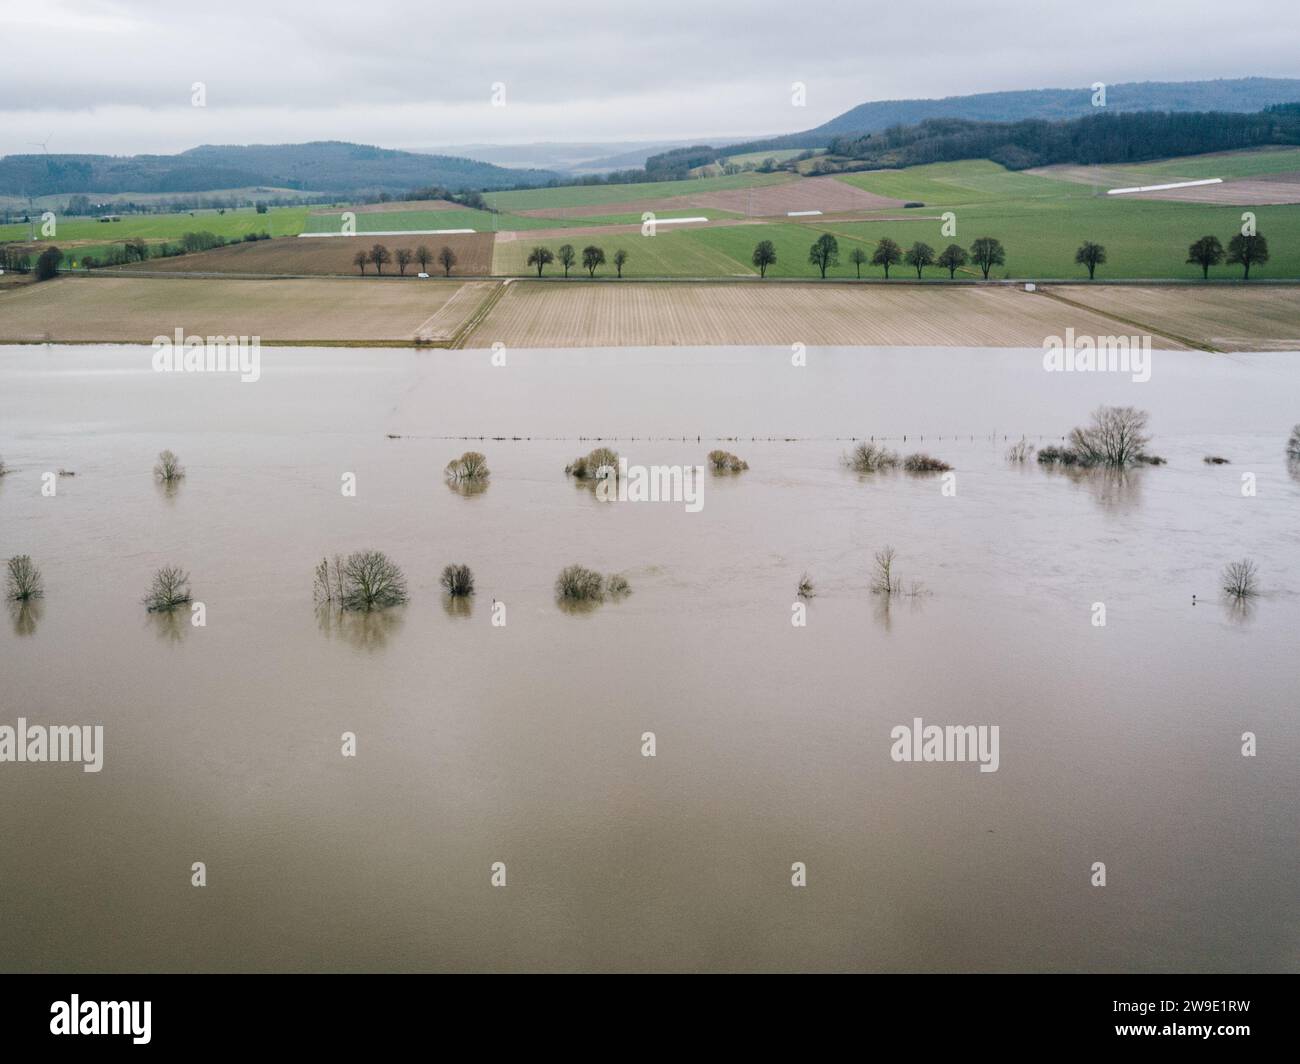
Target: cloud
{"points": [[117, 77]]}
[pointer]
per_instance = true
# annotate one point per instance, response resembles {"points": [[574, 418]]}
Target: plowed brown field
{"points": [[324, 256], [121, 309], [551, 314]]}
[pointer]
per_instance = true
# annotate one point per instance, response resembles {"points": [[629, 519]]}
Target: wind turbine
{"points": [[31, 207]]}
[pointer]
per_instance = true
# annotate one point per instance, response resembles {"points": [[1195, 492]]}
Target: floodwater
{"points": [[522, 744]]}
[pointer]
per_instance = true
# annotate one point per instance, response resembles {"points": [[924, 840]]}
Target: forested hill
{"points": [[1097, 138], [1228, 94], [321, 166]]}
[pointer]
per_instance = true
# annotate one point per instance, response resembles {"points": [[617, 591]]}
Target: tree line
{"points": [[593, 257], [379, 256]]}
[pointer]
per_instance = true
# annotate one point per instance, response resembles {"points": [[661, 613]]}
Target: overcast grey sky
{"points": [[115, 76]]}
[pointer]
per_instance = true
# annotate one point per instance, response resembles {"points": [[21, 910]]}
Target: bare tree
{"points": [[380, 255], [884, 582], [423, 256], [541, 258], [919, 256], [567, 257], [859, 258], [446, 259], [168, 468], [404, 257], [457, 581], [1240, 579], [1116, 437], [23, 579], [365, 580], [359, 260], [469, 466], [170, 589], [620, 260], [592, 257]]}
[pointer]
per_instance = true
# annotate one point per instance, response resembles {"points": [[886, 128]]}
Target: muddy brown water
{"points": [[522, 744]]}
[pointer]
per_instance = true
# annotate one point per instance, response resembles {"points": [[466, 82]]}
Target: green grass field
{"points": [[1229, 164], [278, 221], [667, 254], [587, 195]]}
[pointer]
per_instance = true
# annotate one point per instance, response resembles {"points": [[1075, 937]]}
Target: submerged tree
{"points": [[457, 580], [23, 579], [168, 468], [600, 463], [1240, 579], [1020, 451], [805, 589], [925, 463], [469, 466], [169, 590], [1293, 444], [726, 462], [1116, 438], [869, 457], [883, 581], [577, 583], [363, 581]]}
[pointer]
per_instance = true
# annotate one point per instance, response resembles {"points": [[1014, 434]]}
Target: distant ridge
{"points": [[1228, 94], [335, 167]]}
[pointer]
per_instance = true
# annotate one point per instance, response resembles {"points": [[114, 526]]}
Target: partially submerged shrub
{"points": [[925, 463], [883, 581], [726, 462], [805, 588], [1020, 451], [1117, 438], [1240, 579], [616, 585], [168, 468], [1292, 444], [869, 457], [579, 584], [3, 468], [469, 466], [23, 580], [600, 463], [457, 580], [169, 590], [1214, 459], [1054, 455], [364, 580]]}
